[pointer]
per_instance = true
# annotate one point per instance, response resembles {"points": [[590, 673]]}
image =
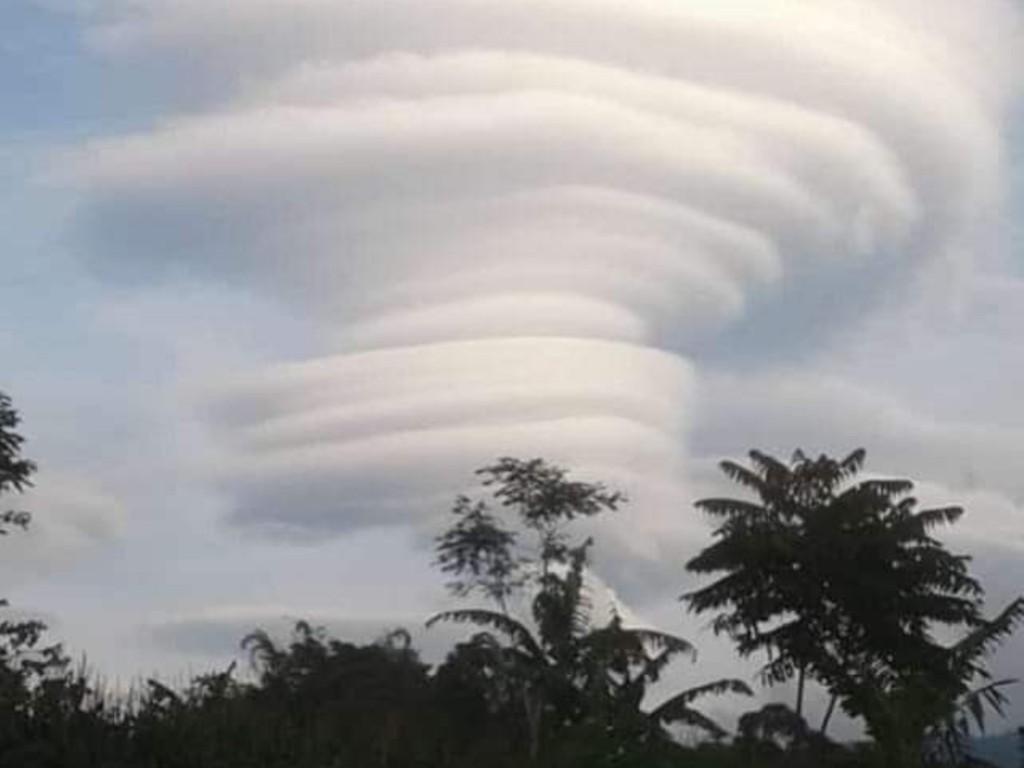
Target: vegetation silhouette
{"points": [[837, 581], [568, 675], [841, 581]]}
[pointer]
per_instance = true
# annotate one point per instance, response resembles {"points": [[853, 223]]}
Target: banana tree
{"points": [[566, 671]]}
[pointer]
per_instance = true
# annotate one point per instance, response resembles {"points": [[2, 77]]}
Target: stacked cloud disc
{"points": [[515, 218]]}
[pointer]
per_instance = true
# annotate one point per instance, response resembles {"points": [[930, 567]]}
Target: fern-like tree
{"points": [[842, 582], [564, 671]]}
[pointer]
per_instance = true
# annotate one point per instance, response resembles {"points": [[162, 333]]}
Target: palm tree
{"points": [[597, 675], [939, 712]]}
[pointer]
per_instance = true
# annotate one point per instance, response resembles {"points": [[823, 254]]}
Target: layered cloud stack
{"points": [[515, 218]]}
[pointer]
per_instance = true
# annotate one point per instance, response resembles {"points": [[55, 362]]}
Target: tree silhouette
{"points": [[37, 691], [15, 472], [939, 710], [566, 672], [843, 582]]}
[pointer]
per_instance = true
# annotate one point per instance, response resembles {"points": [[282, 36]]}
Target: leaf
{"points": [[677, 709], [716, 688], [506, 625], [725, 507], [743, 476], [988, 635]]}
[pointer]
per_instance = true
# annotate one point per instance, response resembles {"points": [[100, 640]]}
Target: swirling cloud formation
{"points": [[515, 218]]}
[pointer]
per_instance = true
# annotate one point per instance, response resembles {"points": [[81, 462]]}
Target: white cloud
{"points": [[779, 412], [462, 171]]}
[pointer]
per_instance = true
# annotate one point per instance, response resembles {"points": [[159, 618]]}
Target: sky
{"points": [[279, 275]]}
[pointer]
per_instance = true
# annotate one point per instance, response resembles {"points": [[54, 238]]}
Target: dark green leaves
{"points": [[543, 495], [15, 471], [477, 552], [557, 671], [843, 582]]}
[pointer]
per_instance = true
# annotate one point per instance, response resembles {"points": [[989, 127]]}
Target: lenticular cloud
{"points": [[513, 218]]}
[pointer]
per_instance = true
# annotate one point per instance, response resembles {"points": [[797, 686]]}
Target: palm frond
{"points": [[683, 715], [726, 507], [716, 688], [990, 695], [506, 625], [988, 635], [768, 465], [853, 463], [662, 641], [886, 488], [932, 518], [743, 476]]}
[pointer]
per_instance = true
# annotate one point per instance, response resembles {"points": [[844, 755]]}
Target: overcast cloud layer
{"points": [[629, 237]]}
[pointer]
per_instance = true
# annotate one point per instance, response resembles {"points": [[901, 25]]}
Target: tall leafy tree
{"points": [[841, 581]]}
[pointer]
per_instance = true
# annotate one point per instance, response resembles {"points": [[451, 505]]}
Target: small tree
{"points": [[565, 672], [15, 472]]}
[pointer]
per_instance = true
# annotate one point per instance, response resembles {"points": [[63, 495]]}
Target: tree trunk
{"points": [[828, 714], [800, 680], [533, 707]]}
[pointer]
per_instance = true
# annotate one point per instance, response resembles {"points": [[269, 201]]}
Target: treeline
{"points": [[320, 702], [827, 578]]}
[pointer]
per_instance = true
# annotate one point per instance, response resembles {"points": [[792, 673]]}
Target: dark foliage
{"points": [[15, 471], [555, 672], [843, 582]]}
